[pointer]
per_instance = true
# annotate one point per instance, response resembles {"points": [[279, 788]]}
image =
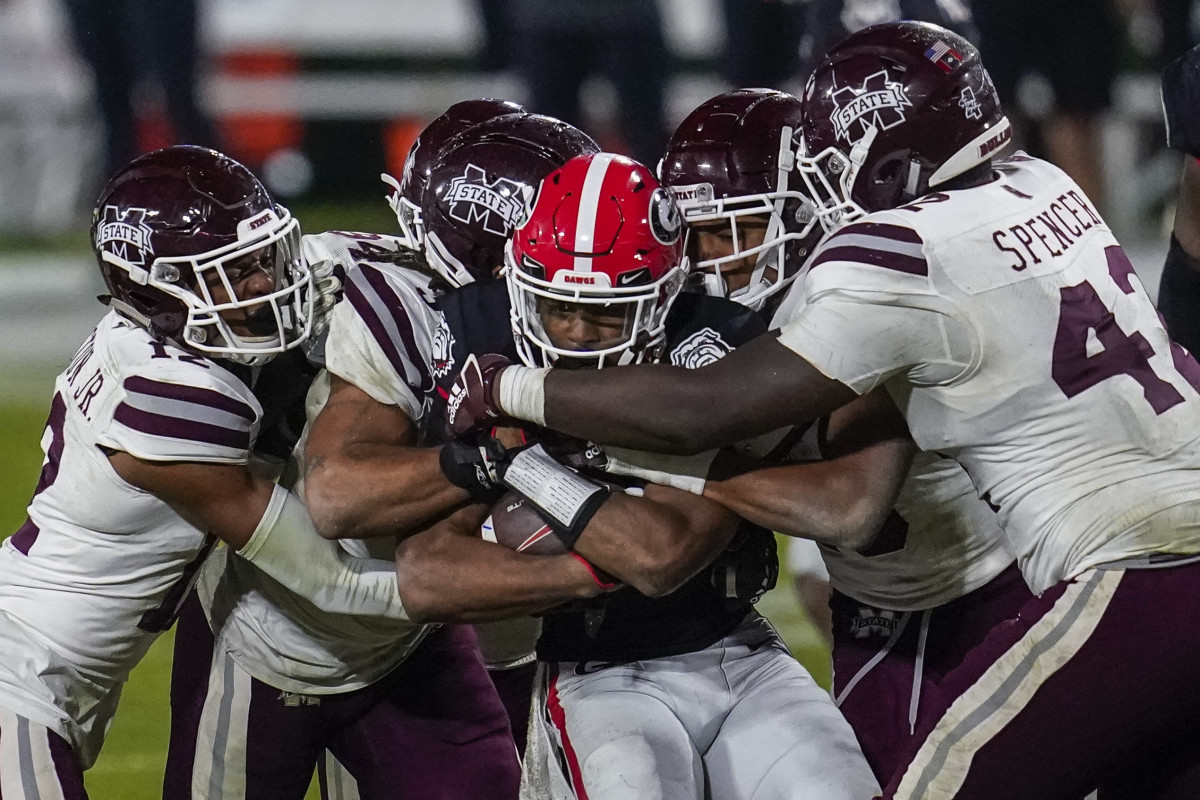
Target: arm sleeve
{"points": [[286, 546]]}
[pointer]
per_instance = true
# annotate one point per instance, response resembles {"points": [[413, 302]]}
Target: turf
{"points": [[131, 764]]}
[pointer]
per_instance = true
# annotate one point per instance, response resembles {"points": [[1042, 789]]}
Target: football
{"points": [[514, 523]]}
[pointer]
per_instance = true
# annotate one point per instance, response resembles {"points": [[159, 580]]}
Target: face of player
{"points": [[714, 239], [251, 276], [584, 327]]}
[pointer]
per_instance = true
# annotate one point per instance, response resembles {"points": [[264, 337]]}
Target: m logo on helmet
{"points": [[665, 222], [879, 103], [500, 205], [126, 236]]}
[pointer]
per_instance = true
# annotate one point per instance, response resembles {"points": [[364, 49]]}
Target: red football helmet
{"points": [[603, 234], [892, 112], [166, 228], [481, 185], [730, 160], [408, 193]]}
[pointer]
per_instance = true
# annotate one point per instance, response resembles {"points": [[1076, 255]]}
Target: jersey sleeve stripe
{"points": [[369, 295], [883, 230], [875, 258], [172, 427], [191, 395]]}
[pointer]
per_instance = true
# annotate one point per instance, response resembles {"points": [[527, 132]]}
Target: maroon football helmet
{"points": [[165, 230], [731, 159], [409, 192], [892, 112], [602, 233], [481, 185]]}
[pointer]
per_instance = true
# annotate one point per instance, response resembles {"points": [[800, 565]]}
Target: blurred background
{"points": [[319, 97]]}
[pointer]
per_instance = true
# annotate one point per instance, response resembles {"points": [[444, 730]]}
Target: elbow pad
{"points": [[286, 546]]}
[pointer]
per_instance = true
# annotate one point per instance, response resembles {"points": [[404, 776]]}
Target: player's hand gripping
{"points": [[477, 463], [1181, 102], [472, 403]]}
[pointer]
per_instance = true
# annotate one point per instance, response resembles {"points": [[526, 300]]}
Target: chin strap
{"points": [[125, 310]]}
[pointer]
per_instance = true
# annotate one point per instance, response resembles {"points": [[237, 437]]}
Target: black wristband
{"points": [[464, 465], [569, 533], [1179, 296], [566, 500]]}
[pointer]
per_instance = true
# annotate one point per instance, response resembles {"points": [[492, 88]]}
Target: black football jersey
{"points": [[625, 625]]}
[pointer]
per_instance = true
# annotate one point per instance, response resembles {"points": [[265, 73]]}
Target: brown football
{"points": [[514, 523]]}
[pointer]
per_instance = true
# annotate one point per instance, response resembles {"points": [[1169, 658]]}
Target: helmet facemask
{"points": [[641, 337], [828, 178], [279, 320], [789, 218], [408, 215]]}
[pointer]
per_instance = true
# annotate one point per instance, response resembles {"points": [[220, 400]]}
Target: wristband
{"points": [[521, 393], [565, 499], [598, 575], [688, 473]]}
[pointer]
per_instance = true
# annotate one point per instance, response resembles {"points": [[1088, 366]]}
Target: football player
{"points": [[996, 307], [151, 457], [915, 586], [671, 686], [285, 681]]}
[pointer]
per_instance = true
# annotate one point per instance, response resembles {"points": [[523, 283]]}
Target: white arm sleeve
{"points": [[286, 546]]}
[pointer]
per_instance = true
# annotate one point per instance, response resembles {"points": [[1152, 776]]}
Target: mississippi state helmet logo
{"points": [[879, 102], [499, 205], [702, 347], [665, 222], [126, 236]]}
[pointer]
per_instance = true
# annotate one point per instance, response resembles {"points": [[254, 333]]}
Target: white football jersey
{"points": [[948, 543], [1010, 328], [275, 635], [940, 543], [100, 568], [386, 337]]}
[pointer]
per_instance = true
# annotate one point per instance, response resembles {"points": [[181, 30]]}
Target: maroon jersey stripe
{"points": [[883, 230], [189, 394], [380, 308], [876, 258], [176, 428]]}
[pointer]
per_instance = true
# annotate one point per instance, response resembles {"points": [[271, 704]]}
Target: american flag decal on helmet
{"points": [[945, 56]]}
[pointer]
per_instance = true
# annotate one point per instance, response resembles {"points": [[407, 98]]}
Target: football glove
{"points": [[471, 404]]}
